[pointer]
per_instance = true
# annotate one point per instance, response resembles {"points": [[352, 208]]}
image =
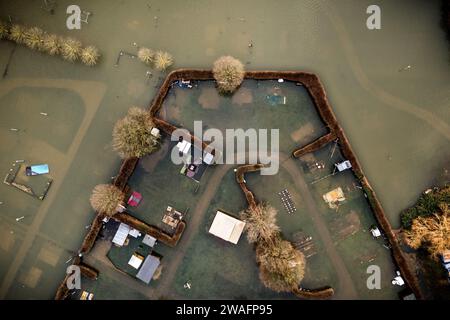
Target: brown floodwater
{"points": [[396, 119]]}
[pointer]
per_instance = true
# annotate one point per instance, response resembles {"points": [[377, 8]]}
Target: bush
{"points": [[17, 33], [90, 56], [229, 73], [426, 205], [105, 198], [131, 134], [163, 60], [146, 55], [34, 38], [52, 44], [71, 49], [4, 30]]}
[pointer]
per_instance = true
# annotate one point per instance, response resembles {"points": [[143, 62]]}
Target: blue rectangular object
{"points": [[37, 169]]}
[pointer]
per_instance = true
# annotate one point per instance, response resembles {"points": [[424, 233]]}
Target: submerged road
{"points": [[91, 99]]}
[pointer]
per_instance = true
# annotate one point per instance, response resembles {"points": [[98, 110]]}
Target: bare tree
{"points": [[261, 222], [229, 73], [282, 267], [105, 198], [132, 134]]}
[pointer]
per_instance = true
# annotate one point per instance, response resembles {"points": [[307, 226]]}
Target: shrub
{"points": [[163, 60], [4, 30], [131, 134], [146, 55], [90, 56], [229, 73], [34, 38], [71, 49], [52, 44], [17, 33], [426, 205], [105, 198]]}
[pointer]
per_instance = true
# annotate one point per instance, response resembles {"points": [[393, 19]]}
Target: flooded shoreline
{"points": [[400, 152]]}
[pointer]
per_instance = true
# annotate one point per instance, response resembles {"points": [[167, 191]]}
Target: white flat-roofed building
{"points": [[226, 227]]}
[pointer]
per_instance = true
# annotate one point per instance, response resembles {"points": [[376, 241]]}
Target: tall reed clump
{"points": [[161, 60], [4, 30], [34, 38], [71, 49], [37, 39], [146, 55]]}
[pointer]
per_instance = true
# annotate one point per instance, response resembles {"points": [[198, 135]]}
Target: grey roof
{"points": [[148, 268]]}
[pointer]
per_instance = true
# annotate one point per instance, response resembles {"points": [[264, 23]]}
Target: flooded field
{"points": [[396, 121]]}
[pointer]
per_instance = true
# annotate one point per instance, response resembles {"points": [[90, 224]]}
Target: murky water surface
{"points": [[396, 120]]}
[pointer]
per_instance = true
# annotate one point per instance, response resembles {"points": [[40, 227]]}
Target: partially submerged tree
{"points": [[71, 49], [52, 44], [163, 60], [17, 33], [132, 134], [34, 38], [146, 55], [282, 267], [431, 232], [106, 198], [229, 73], [4, 30], [261, 222], [90, 56]]}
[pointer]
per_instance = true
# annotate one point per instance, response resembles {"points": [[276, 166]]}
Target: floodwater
{"points": [[396, 120]]}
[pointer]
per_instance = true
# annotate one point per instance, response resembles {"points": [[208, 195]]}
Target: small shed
{"points": [[149, 240], [121, 234], [226, 227], [184, 146], [148, 269], [136, 260], [343, 165]]}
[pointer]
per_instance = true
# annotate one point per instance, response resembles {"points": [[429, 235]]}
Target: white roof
{"points": [[344, 165], [375, 232], [134, 233], [227, 227], [149, 240], [184, 146], [135, 261], [121, 234], [154, 132]]}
